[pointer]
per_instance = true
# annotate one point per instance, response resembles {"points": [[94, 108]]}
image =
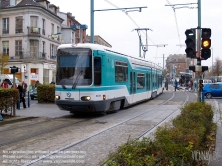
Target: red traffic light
{"points": [[206, 33]]}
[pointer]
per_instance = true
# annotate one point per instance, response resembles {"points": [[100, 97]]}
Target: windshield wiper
{"points": [[63, 86], [77, 79]]}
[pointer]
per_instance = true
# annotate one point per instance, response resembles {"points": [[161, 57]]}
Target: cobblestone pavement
{"points": [[95, 149]]}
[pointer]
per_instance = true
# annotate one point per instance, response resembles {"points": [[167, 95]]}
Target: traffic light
{"points": [[201, 85], [190, 43], [206, 43], [14, 69], [192, 68], [204, 68]]}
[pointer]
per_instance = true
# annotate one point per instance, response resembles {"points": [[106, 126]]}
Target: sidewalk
{"points": [[42, 110]]}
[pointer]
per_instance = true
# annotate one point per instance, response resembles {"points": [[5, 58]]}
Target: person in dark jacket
{"points": [[21, 94], [166, 84]]}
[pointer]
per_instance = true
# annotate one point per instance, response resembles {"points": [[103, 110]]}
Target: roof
{"points": [[6, 3], [24, 3]]}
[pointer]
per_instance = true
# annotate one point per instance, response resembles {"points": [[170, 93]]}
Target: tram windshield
{"points": [[74, 67]]}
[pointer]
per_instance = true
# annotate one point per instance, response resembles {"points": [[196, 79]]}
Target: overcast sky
{"points": [[167, 26]]}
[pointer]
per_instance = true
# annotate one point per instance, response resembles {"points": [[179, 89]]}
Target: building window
{"points": [[121, 71], [52, 30], [140, 80], [43, 50], [5, 45], [53, 49], [34, 21], [43, 26], [34, 24], [58, 29], [5, 28], [46, 76], [19, 24], [34, 45], [18, 48], [179, 66]]}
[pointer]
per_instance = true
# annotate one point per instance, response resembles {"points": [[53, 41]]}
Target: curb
{"points": [[15, 119]]}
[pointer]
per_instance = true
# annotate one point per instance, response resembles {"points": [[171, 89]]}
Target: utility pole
{"points": [[92, 16], [144, 47]]}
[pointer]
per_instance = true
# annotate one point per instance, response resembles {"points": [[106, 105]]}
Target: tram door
{"points": [[132, 82]]}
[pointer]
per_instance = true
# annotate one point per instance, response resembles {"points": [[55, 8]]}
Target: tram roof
{"points": [[104, 48]]}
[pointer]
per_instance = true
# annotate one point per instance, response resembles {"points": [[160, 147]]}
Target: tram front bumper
{"points": [[82, 106]]}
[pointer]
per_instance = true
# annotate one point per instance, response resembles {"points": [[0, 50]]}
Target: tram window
{"points": [[97, 71], [140, 80], [121, 71]]}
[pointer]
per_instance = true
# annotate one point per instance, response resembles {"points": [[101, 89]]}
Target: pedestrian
{"points": [[166, 85], [37, 83], [24, 86], [4, 84], [191, 85], [175, 84], [21, 95]]}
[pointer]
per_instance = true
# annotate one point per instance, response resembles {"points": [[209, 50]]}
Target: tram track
{"points": [[105, 130], [38, 133]]}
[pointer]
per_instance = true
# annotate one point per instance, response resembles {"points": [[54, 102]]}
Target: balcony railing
{"points": [[5, 31], [31, 55], [33, 31], [19, 31]]}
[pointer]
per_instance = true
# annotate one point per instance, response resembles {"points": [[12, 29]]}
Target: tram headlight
{"points": [[57, 97], [85, 98]]}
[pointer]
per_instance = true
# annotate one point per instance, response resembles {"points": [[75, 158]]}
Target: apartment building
{"points": [[176, 63], [99, 40], [72, 31], [30, 32]]}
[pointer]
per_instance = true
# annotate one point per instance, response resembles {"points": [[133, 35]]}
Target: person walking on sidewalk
{"points": [[21, 95], [166, 85], [24, 87], [175, 84]]}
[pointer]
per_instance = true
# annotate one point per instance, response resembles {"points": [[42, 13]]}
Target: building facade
{"points": [[99, 40], [27, 37], [72, 31], [177, 63]]}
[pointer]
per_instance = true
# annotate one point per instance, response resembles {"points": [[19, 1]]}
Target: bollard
{"points": [[202, 97], [18, 104], [28, 100], [1, 118]]}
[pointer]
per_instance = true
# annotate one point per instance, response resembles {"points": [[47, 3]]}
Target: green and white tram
{"points": [[94, 78]]}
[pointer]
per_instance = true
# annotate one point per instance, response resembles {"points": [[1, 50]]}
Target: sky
{"points": [[167, 26]]}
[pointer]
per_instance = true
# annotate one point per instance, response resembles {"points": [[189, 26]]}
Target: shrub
{"points": [[46, 93], [8, 98], [173, 143]]}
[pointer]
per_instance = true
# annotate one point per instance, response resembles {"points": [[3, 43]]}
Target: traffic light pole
{"points": [[198, 48], [198, 63]]}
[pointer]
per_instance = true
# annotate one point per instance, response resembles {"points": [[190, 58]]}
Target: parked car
{"points": [[33, 94], [212, 90]]}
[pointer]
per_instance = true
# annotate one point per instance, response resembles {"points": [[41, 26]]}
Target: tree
{"points": [[217, 68], [4, 58]]}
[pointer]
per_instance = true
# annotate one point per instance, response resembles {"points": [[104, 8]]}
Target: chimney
{"points": [[12, 2]]}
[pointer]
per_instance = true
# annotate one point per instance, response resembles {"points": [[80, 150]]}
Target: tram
{"points": [[94, 78]]}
